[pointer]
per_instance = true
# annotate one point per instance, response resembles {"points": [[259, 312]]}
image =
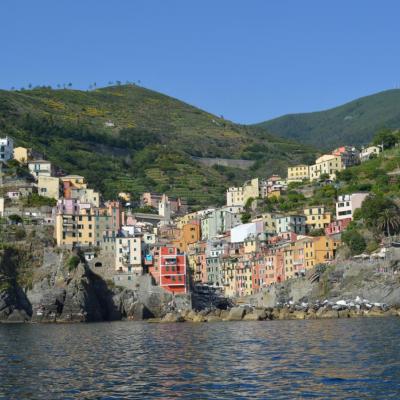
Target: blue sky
{"points": [[248, 60]]}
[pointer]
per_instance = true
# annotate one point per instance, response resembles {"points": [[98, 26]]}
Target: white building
{"points": [[366, 153], [241, 232], [327, 164], [6, 148], [40, 168], [348, 203], [234, 196], [128, 254]]}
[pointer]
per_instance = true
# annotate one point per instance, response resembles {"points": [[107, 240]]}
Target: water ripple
{"points": [[346, 359]]}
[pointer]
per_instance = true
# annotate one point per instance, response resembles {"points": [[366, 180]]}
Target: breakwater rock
{"points": [[294, 311]]}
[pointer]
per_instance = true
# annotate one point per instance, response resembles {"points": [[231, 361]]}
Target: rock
{"points": [[344, 314], [200, 318], [325, 313], [173, 317], [298, 315], [213, 318], [236, 314], [18, 316], [191, 315], [224, 314]]}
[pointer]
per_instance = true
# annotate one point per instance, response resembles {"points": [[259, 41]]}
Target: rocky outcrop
{"points": [[14, 306]]}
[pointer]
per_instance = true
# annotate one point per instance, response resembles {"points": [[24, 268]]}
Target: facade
{"points": [[348, 203], [128, 254], [6, 148], [189, 234], [350, 155], [75, 225], [172, 267], [298, 173], [40, 168], [49, 186], [241, 232], [368, 152], [85, 195], [178, 206], [291, 223], [336, 227], [235, 196], [327, 164], [317, 218], [219, 221], [22, 154]]}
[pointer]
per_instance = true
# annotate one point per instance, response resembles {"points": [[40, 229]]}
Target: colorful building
{"points": [[172, 267], [317, 218], [298, 173]]}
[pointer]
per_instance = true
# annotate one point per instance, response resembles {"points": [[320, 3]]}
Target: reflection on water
{"points": [[356, 358]]}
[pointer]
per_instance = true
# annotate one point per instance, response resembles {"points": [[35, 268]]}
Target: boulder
{"points": [[173, 317], [323, 313], [256, 315], [236, 314], [344, 313], [213, 318]]}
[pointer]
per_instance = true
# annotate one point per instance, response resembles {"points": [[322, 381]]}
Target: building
{"points": [[177, 205], [128, 254], [70, 182], [6, 148], [172, 268], [327, 164], [22, 154], [317, 218], [234, 196], [75, 224], [49, 186], [369, 152], [189, 233], [319, 250], [291, 223], [85, 195], [298, 173], [348, 203], [40, 168], [336, 227], [219, 221], [238, 196], [350, 155], [241, 232]]}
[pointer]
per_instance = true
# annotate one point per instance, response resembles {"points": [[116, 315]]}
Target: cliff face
{"points": [[41, 286]]}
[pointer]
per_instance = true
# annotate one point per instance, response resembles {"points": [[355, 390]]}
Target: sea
{"points": [[316, 359]]}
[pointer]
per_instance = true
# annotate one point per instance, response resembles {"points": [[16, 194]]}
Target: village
{"points": [[232, 249]]}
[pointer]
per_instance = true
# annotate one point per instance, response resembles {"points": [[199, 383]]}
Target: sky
{"points": [[248, 60]]}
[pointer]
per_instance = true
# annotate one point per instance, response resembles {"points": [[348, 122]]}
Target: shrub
{"points": [[73, 263], [355, 241]]}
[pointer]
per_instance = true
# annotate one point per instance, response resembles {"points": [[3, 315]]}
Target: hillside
{"points": [[128, 138], [353, 123]]}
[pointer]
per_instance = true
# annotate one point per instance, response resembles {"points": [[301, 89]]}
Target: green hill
{"points": [[128, 138], [353, 123]]}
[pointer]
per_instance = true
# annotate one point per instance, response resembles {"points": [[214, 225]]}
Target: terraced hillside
{"points": [[133, 139]]}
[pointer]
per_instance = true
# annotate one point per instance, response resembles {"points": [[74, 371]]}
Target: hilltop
{"points": [[128, 138], [353, 123]]}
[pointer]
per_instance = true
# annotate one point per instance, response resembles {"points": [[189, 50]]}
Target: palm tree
{"points": [[389, 220]]}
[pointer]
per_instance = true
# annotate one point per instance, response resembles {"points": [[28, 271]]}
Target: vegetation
{"points": [[354, 123], [354, 240], [35, 200], [127, 138], [72, 263]]}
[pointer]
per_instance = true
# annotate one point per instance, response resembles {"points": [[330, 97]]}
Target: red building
{"points": [[172, 268], [337, 226]]}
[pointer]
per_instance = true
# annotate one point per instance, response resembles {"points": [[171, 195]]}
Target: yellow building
{"points": [[184, 220], [317, 217], [298, 173], [22, 154], [75, 228], [49, 186], [251, 189], [288, 260], [319, 250], [327, 164]]}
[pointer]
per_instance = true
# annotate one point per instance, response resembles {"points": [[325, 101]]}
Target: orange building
{"points": [[189, 234]]}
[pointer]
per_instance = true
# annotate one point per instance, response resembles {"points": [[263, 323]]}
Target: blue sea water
{"points": [[329, 359]]}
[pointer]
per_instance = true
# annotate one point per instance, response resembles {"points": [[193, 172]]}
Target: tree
{"points": [[389, 220], [245, 217], [355, 241], [385, 138], [15, 219], [380, 213]]}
